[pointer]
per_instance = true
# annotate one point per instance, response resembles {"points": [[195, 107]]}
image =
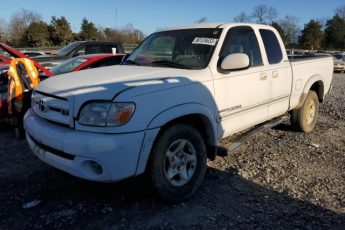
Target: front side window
{"points": [[187, 49], [272, 47], [67, 49], [242, 40], [80, 52]]}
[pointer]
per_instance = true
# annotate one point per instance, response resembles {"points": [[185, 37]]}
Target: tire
{"points": [[177, 163], [304, 119]]}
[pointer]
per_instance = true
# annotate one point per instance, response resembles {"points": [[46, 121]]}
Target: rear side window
{"points": [[242, 40], [93, 49], [272, 47], [109, 49]]}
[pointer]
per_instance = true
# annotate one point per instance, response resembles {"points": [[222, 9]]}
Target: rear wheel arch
{"points": [[319, 89], [315, 84]]}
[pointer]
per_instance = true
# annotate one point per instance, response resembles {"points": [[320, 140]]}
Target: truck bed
{"points": [[297, 58], [307, 70]]}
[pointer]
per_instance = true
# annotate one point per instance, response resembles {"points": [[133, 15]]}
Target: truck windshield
{"points": [[68, 66], [65, 50], [185, 49]]}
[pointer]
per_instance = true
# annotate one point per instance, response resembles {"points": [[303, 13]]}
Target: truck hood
{"points": [[107, 82]]}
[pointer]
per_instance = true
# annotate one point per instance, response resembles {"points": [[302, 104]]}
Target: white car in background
{"points": [[339, 65]]}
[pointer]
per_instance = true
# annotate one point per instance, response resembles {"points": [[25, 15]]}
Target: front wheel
{"points": [[304, 119], [177, 163]]}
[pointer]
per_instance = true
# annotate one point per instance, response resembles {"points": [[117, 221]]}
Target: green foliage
{"points": [[37, 35], [60, 32], [88, 31], [335, 33], [312, 36]]}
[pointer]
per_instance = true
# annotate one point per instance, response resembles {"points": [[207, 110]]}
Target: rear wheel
{"points": [[177, 163], [304, 119]]}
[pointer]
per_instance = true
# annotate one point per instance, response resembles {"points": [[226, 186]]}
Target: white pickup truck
{"points": [[165, 108]]}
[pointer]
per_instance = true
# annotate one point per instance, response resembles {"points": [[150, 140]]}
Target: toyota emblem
{"points": [[42, 107]]}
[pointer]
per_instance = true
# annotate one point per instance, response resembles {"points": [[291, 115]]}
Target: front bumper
{"points": [[92, 156]]}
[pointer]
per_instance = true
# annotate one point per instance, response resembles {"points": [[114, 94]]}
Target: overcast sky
{"points": [[148, 15]]}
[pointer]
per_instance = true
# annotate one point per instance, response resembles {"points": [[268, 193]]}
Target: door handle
{"points": [[275, 74], [263, 76]]}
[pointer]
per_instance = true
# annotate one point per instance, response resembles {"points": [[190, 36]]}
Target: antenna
{"points": [[115, 16]]}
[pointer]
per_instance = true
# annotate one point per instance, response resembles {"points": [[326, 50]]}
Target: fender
{"points": [[312, 80], [179, 111], [163, 118]]}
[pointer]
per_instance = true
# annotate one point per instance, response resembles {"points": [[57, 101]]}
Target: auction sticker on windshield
{"points": [[205, 41]]}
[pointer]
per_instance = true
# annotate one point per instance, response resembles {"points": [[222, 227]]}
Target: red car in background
{"points": [[4, 60], [90, 61], [74, 64]]}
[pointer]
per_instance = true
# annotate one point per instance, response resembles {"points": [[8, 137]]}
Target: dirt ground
{"points": [[280, 179]]}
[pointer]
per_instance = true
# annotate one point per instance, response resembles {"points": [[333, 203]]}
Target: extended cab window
{"points": [[242, 40], [272, 47]]}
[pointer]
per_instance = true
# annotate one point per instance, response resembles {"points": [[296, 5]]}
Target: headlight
{"points": [[106, 114]]}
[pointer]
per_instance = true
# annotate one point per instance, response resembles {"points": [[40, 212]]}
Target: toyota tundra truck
{"points": [[163, 111]]}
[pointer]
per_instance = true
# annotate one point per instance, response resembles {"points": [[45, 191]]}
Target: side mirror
{"points": [[236, 61]]}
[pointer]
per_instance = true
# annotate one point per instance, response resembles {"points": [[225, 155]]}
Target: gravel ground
{"points": [[280, 179]]}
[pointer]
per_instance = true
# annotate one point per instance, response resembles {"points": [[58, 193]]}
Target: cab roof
{"points": [[219, 25]]}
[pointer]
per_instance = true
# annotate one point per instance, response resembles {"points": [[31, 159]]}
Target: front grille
{"points": [[52, 150], [52, 108]]}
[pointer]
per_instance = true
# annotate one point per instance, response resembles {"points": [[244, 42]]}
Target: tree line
{"points": [[317, 34], [27, 29]]}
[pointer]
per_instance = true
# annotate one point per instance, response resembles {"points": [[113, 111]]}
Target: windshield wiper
{"points": [[131, 62], [170, 64]]}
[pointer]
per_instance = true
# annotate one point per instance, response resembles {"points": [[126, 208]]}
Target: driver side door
{"points": [[242, 96]]}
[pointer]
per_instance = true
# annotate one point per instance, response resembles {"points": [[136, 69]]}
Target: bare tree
{"points": [[3, 30], [272, 14], [126, 34], [202, 20], [264, 14], [340, 11], [291, 29], [19, 22], [242, 17]]}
